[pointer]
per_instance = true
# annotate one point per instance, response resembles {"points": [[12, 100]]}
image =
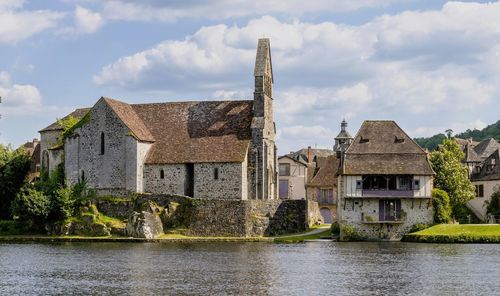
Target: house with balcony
{"points": [[385, 183]]}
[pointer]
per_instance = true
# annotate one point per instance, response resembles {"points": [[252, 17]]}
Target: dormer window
{"points": [[398, 140], [364, 140]]}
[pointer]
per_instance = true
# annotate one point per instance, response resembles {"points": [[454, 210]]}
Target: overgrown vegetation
{"points": [[442, 207], [452, 176], [493, 207], [350, 233]]}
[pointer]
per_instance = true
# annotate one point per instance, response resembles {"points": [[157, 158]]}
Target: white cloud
{"points": [[428, 67], [87, 21], [17, 24], [18, 98], [167, 11]]}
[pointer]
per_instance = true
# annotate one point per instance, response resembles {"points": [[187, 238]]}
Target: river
{"points": [[314, 268]]}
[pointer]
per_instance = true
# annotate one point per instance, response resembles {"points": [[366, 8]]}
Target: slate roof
{"points": [[78, 113], [301, 154], [489, 171], [193, 132], [382, 147], [325, 173], [486, 147]]}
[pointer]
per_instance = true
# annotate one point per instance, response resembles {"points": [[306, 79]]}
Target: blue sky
{"points": [[429, 65]]}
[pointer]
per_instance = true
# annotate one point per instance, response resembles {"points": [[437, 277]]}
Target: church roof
{"points": [[78, 113], [130, 118], [193, 132], [382, 147]]}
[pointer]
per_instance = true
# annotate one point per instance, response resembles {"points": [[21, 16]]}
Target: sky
{"points": [[429, 65]]}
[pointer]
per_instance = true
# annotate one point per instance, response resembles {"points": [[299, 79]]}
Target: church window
{"points": [[162, 174], [216, 173], [102, 143]]}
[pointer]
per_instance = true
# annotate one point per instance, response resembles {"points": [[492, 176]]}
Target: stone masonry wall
{"points": [[172, 183], [418, 211], [227, 186], [240, 218], [105, 172]]}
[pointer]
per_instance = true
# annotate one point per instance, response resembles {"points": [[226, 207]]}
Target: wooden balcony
{"points": [[377, 193]]}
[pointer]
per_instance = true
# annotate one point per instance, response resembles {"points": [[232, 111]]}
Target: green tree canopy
{"points": [[442, 207], [14, 167], [451, 175]]}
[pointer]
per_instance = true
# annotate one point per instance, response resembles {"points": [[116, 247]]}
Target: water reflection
{"points": [[249, 268]]}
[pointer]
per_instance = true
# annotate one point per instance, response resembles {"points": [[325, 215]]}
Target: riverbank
{"points": [[312, 234], [456, 233]]}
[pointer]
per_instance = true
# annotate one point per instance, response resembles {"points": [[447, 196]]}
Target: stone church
{"points": [[205, 149]]}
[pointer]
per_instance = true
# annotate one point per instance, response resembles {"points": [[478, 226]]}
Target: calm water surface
{"points": [[326, 268]]}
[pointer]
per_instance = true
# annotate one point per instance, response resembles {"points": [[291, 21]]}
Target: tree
{"points": [[31, 205], [494, 204], [442, 207], [451, 175], [14, 167], [449, 133]]}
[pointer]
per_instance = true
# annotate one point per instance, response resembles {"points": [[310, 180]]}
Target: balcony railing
{"points": [[386, 193], [329, 201]]}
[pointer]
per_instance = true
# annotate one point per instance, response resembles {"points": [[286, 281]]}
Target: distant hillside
{"points": [[491, 131]]}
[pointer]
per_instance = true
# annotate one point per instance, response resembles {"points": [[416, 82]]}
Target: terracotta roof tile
{"points": [[382, 147], [127, 114], [325, 173], [193, 132]]}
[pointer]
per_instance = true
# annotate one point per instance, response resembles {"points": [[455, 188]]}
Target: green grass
{"points": [[303, 237], [111, 221], [457, 233]]}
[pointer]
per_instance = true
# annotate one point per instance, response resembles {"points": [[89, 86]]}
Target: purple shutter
{"points": [[283, 190], [398, 209], [381, 216]]}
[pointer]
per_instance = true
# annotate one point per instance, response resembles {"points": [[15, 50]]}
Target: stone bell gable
{"points": [[262, 155]]}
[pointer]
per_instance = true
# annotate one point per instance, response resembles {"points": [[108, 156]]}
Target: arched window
{"points": [[102, 143], [162, 174], [216, 173]]}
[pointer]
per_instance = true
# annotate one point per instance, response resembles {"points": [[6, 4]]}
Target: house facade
{"points": [[292, 178], [385, 183], [486, 179], [206, 149]]}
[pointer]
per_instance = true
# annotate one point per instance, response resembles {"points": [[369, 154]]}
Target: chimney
{"points": [[309, 154]]}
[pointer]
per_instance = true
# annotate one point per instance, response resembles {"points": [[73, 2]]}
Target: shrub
{"points": [[334, 228], [418, 227], [494, 204], [31, 205], [442, 207], [62, 204], [350, 233]]}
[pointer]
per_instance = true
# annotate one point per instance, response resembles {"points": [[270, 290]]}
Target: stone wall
{"points": [[112, 171], [227, 186], [362, 215], [223, 217], [172, 183], [52, 158], [231, 182]]}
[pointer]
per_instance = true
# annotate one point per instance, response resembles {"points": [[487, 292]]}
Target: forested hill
{"points": [[491, 131]]}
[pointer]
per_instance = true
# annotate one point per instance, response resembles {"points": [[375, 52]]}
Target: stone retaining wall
{"points": [[236, 218]]}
